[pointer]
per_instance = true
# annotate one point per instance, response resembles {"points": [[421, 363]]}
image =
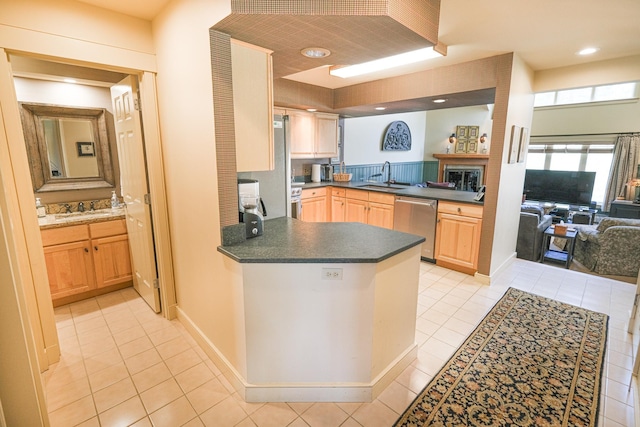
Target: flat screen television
{"points": [[564, 187]]}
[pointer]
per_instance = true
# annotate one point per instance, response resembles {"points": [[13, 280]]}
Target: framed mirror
{"points": [[68, 147]]}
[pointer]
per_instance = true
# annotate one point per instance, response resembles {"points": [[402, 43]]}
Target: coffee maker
{"points": [[251, 207]]}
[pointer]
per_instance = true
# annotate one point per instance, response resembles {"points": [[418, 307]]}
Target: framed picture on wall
{"points": [[514, 143], [524, 144], [85, 149]]}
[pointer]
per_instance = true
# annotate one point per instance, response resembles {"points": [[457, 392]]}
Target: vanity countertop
{"points": [[77, 218], [287, 240]]}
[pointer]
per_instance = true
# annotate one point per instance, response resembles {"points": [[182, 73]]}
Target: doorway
{"points": [[31, 258]]}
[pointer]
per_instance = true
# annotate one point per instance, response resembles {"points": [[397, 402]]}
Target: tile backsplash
{"points": [[56, 208]]}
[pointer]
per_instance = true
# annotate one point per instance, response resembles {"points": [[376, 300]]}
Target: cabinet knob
{"points": [[459, 210], [86, 250], [95, 247]]}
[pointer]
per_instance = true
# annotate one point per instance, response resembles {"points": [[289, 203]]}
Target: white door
{"points": [[134, 186]]}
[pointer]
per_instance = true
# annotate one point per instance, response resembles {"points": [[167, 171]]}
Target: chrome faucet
{"points": [[80, 207], [67, 206], [92, 206], [388, 171]]}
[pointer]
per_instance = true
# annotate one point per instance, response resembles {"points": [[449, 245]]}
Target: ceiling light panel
{"points": [[385, 63]]}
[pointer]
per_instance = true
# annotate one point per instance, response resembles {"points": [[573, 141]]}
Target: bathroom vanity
{"points": [[87, 254]]}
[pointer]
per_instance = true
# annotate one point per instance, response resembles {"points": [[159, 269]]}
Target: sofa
{"points": [[533, 223], [611, 247]]}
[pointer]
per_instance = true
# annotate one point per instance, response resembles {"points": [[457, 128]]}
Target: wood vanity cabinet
{"points": [[314, 205], [67, 254], [369, 207], [313, 135], [83, 259], [458, 236], [111, 257], [338, 204]]}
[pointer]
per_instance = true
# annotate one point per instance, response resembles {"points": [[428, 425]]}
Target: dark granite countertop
{"points": [[287, 240], [407, 191]]}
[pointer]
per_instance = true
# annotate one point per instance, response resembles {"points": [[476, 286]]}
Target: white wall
{"points": [[430, 132], [204, 284], [58, 93], [617, 70], [519, 113], [363, 139], [442, 123], [587, 118]]}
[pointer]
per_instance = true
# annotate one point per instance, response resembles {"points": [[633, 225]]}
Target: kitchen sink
{"points": [[391, 188]]}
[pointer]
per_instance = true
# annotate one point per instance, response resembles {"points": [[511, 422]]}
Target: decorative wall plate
{"points": [[397, 137]]}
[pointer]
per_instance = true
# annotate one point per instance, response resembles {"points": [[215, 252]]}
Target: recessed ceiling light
{"points": [[311, 110], [588, 51], [315, 52], [70, 80], [384, 63], [439, 101], [381, 108]]}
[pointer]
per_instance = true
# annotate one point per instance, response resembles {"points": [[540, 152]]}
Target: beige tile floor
{"points": [[123, 365]]}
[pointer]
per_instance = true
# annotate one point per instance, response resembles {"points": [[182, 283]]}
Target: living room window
{"points": [[603, 93], [593, 156]]}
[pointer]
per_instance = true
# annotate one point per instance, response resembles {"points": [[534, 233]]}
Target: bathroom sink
{"points": [[78, 216]]}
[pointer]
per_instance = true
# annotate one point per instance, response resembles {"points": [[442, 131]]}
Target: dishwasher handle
{"points": [[430, 203]]}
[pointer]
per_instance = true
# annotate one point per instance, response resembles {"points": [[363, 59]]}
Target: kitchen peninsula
{"points": [[324, 311]]}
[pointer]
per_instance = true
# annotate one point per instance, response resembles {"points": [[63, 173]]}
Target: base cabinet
{"points": [[314, 205], [69, 268], [338, 204], [369, 207], [458, 236], [82, 259]]}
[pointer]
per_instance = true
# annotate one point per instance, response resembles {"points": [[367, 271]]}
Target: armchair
{"points": [[611, 248], [533, 223]]}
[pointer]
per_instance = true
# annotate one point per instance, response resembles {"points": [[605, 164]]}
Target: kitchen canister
{"points": [[315, 173]]}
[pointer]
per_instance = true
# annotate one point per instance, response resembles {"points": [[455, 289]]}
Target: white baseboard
{"points": [[486, 280], [316, 392]]}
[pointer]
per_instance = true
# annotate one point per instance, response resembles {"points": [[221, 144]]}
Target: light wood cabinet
{"points": [[369, 207], [111, 257], [82, 259], [252, 106], [313, 135], [458, 236], [314, 205], [338, 204], [326, 135]]}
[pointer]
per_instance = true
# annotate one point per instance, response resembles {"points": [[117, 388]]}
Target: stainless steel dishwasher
{"points": [[417, 216]]}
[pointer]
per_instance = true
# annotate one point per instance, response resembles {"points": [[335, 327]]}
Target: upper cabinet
{"points": [[252, 106], [313, 135]]}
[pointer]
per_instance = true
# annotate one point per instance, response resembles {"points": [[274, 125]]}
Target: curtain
{"points": [[624, 167]]}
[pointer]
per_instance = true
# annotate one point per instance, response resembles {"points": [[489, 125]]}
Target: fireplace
{"points": [[466, 178], [466, 171]]}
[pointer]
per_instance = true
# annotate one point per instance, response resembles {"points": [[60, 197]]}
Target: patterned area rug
{"points": [[532, 361]]}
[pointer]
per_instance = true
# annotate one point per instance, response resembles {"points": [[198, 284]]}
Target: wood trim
{"points": [[108, 228], [456, 267], [159, 207]]}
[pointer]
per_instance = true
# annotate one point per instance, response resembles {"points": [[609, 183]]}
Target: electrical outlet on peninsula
{"points": [[331, 274]]}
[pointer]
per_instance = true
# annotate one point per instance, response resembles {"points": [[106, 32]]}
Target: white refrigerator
{"points": [[275, 185]]}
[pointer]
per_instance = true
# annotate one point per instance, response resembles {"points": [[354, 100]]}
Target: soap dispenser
{"points": [[42, 212], [114, 201]]}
